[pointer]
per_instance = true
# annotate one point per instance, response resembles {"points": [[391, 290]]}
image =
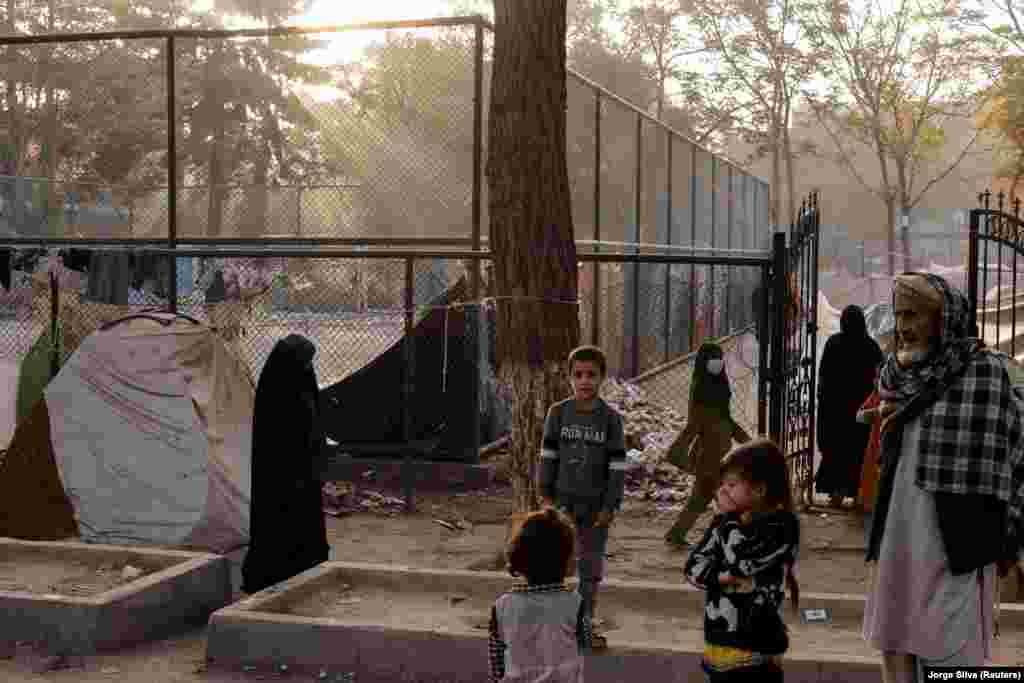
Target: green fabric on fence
{"points": [[35, 372]]}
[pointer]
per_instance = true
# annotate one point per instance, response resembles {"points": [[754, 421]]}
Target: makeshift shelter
{"points": [[144, 436], [365, 412]]}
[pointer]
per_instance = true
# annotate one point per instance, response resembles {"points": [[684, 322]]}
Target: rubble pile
{"points": [[341, 498], [650, 430]]}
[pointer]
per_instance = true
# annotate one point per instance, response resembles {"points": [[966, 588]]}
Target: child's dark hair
{"points": [[760, 462], [590, 353], [541, 547]]}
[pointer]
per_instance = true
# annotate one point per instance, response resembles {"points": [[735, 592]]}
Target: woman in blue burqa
{"points": [[845, 380], [287, 531]]}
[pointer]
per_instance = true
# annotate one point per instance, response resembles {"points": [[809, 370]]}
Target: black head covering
{"points": [[846, 378], [711, 390], [853, 323], [287, 530]]}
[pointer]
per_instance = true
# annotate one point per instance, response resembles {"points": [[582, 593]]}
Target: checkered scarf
{"points": [[971, 423]]}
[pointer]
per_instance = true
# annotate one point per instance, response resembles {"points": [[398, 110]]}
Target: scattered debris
{"points": [[649, 430], [130, 573], [342, 498], [456, 599], [349, 601], [110, 670], [58, 663]]}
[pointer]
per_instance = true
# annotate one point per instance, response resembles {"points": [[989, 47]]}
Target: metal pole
{"points": [[763, 332], [172, 173], [813, 331], [728, 245], [635, 356], [54, 328], [712, 330], [408, 370], [478, 122], [668, 240], [595, 331], [777, 374], [474, 319], [972, 264], [693, 242]]}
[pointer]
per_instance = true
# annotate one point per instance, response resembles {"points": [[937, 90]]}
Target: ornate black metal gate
{"points": [[793, 345], [996, 251]]}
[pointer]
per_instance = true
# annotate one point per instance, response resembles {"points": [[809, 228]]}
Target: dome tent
{"points": [[146, 432]]}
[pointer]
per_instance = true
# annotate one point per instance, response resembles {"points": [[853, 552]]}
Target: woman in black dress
{"points": [[846, 379], [287, 530]]}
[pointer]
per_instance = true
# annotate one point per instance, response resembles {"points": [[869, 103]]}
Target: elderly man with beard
{"points": [[949, 504]]}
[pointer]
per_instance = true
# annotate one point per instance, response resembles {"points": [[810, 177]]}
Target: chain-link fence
{"points": [[356, 310], [370, 136]]}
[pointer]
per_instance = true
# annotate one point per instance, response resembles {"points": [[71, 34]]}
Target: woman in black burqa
{"points": [[845, 380], [287, 531]]}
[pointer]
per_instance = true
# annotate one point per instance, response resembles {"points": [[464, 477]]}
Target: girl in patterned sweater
{"points": [[742, 562], [540, 629]]}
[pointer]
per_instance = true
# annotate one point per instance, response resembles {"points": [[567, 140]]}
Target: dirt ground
{"points": [[73, 577], [831, 560]]}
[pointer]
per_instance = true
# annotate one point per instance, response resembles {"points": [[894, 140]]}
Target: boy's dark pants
{"points": [[591, 543]]}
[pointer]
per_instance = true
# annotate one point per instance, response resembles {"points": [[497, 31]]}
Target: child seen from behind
{"points": [[743, 562], [540, 629], [583, 467]]}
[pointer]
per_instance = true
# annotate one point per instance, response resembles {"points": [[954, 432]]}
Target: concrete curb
{"points": [[254, 634], [184, 594]]}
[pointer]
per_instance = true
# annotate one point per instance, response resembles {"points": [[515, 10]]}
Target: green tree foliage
{"points": [[896, 77]]}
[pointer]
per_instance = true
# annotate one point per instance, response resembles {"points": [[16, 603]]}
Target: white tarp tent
{"points": [[151, 427]]}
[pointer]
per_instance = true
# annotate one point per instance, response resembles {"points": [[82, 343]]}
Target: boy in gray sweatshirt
{"points": [[582, 469]]}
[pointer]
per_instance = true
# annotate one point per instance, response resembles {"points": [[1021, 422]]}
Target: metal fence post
{"points": [[473, 319], [595, 329], [172, 173], [777, 372], [693, 243], [712, 328], [54, 325], [408, 372], [668, 240], [728, 245], [635, 354], [764, 331], [972, 263]]}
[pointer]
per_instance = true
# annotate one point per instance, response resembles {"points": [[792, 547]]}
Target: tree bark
{"points": [[531, 229], [787, 151]]}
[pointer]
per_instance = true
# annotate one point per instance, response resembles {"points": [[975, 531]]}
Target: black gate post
{"points": [[972, 262], [764, 312], [777, 370]]}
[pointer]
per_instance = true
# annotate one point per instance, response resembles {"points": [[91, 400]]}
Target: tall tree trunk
{"points": [[787, 150], [531, 229], [215, 173], [776, 197], [890, 212]]}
